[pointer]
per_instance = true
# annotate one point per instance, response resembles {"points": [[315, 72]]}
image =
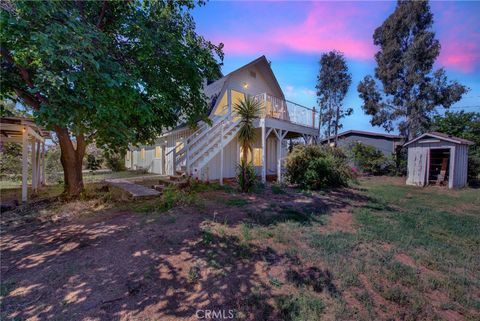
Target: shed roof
{"points": [[442, 136], [365, 133]]}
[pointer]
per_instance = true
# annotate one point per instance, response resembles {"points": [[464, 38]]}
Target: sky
{"points": [[294, 34]]}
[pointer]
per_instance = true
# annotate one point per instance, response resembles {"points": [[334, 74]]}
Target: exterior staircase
{"points": [[204, 144]]}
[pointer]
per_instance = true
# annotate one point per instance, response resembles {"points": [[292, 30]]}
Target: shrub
{"points": [[371, 160], [53, 165], [474, 167], [315, 167], [11, 162], [115, 161], [246, 176], [93, 163]]}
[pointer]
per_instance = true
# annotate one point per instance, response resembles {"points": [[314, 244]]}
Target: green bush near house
{"points": [[371, 160], [316, 167], [115, 161], [93, 163]]}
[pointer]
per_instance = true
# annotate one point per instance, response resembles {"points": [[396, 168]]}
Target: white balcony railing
{"points": [[274, 107]]}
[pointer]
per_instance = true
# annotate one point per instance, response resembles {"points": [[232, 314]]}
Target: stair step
{"points": [[159, 188]]}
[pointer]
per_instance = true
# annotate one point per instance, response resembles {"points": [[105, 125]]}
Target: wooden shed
{"points": [[437, 159]]}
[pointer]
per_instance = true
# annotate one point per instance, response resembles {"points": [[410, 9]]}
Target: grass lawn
{"points": [[377, 251]]}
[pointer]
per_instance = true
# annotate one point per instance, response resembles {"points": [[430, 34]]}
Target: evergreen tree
{"points": [[332, 85], [410, 91]]}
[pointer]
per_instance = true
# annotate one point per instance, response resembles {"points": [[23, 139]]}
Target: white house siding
{"points": [[231, 158], [255, 85]]}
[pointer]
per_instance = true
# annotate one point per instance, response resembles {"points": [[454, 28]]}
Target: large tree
{"points": [[410, 91], [111, 72], [333, 81], [465, 125]]}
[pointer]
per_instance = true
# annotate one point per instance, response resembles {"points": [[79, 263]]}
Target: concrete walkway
{"points": [[134, 190]]}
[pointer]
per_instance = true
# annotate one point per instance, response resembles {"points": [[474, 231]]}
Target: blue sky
{"points": [[294, 34]]}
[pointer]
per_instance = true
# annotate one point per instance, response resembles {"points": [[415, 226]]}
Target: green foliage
{"points": [[11, 162], [115, 161], [371, 160], [315, 167], [410, 90], [300, 307], [464, 125], [114, 73], [53, 166], [333, 81], [248, 111], [93, 163], [246, 176]]}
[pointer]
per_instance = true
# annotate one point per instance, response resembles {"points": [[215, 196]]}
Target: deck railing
{"points": [[274, 107]]}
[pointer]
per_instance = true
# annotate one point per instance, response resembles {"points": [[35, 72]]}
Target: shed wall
{"points": [[418, 160]]}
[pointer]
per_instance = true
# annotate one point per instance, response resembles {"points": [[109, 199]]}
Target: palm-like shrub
{"points": [[248, 111]]}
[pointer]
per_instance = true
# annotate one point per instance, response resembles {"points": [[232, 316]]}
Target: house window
{"points": [[237, 97], [178, 146], [142, 154], [222, 106], [253, 74], [158, 152], [257, 156]]}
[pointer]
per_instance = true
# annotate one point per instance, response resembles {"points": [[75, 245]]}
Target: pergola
{"points": [[24, 131]]}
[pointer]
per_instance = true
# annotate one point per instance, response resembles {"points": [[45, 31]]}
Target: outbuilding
{"points": [[437, 159]]}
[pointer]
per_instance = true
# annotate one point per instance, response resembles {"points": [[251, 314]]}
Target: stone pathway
{"points": [[134, 190]]}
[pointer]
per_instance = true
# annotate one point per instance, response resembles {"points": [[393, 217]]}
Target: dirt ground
{"points": [[119, 264]]}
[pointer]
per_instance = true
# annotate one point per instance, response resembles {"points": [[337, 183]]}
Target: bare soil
{"points": [[113, 263]]}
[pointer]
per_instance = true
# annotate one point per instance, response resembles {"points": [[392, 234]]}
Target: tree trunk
{"points": [[337, 119], [72, 160]]}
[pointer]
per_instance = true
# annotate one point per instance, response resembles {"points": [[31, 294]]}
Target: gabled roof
{"points": [[442, 136], [365, 133], [213, 90]]}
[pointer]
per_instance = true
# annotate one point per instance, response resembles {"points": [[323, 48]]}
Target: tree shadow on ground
{"points": [[126, 268], [123, 266]]}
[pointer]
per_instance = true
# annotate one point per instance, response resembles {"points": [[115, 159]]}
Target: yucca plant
{"points": [[248, 111]]}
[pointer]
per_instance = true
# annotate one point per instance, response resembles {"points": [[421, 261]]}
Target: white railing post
{"points": [[187, 156], [221, 154], [229, 101], [265, 105]]}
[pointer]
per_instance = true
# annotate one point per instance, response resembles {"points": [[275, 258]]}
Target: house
{"points": [[386, 143], [212, 152], [436, 158]]}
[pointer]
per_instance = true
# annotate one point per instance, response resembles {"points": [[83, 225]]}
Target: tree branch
{"points": [[26, 78], [100, 24]]}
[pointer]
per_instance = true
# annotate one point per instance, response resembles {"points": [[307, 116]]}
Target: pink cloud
{"points": [[345, 26], [327, 26], [458, 30]]}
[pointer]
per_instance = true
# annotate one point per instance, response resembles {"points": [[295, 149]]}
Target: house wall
{"points": [[231, 158], [163, 164], [418, 160], [385, 145], [256, 85]]}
